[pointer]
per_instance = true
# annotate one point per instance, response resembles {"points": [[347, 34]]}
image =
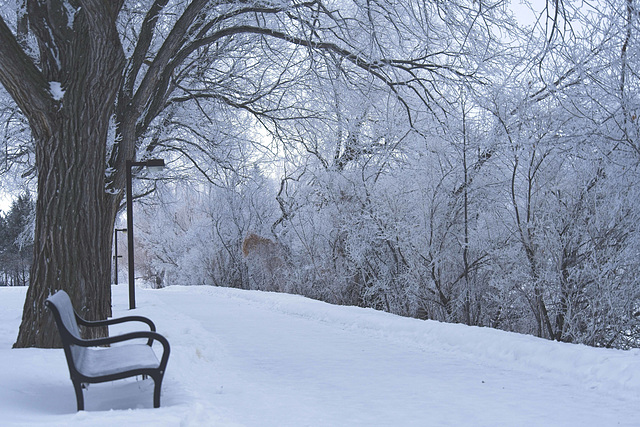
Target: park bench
{"points": [[95, 361]]}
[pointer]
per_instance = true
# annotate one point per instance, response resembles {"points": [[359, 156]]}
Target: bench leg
{"points": [[79, 397], [157, 385]]}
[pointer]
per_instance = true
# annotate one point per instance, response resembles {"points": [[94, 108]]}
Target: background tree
{"points": [[16, 241], [337, 134], [513, 206]]}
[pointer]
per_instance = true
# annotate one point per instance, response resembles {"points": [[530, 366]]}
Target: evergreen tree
{"points": [[16, 247]]}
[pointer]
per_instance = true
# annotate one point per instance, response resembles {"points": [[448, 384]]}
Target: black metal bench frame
{"points": [[68, 320]]}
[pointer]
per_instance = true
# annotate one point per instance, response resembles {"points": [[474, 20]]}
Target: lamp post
{"points": [[152, 165], [116, 256]]}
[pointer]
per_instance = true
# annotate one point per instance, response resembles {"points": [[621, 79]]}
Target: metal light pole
{"points": [[116, 256], [153, 165]]}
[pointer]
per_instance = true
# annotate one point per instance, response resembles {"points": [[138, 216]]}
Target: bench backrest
{"points": [[60, 304]]}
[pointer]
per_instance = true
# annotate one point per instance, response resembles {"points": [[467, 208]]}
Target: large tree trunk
{"points": [[72, 238], [74, 215]]}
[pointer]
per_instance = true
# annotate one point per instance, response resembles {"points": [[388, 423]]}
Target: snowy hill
{"points": [[242, 358]]}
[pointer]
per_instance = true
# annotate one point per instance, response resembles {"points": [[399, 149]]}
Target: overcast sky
{"points": [[5, 203]]}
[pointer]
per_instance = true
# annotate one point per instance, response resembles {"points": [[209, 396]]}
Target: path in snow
{"points": [[284, 360]]}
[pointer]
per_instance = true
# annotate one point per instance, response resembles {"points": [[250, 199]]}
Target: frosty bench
{"points": [[90, 363]]}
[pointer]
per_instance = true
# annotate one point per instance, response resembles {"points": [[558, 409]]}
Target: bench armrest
{"points": [[97, 342], [117, 320]]}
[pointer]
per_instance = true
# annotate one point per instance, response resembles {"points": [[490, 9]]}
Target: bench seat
{"points": [[97, 362]]}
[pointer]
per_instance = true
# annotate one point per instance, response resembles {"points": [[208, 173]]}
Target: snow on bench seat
{"points": [[97, 362]]}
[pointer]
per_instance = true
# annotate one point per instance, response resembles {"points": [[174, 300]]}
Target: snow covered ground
{"points": [[242, 358]]}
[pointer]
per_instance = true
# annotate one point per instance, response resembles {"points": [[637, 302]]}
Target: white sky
{"points": [[523, 12], [5, 202]]}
